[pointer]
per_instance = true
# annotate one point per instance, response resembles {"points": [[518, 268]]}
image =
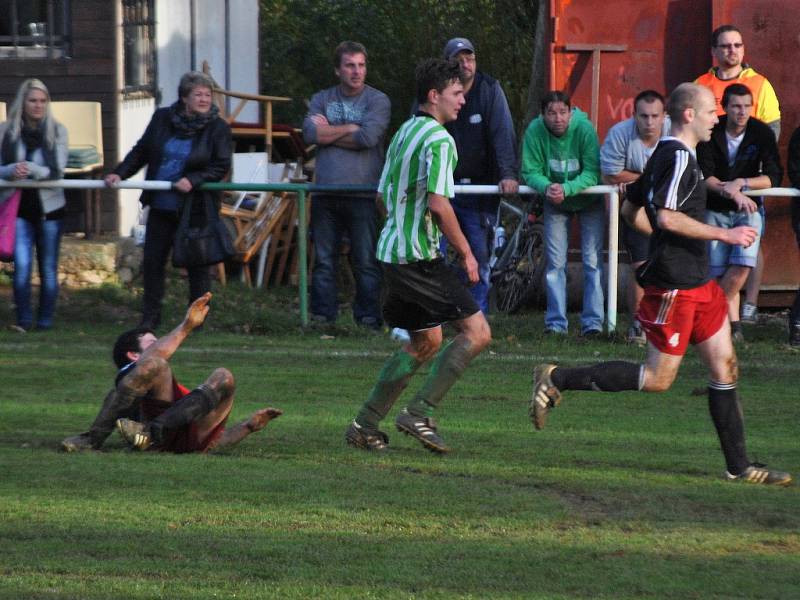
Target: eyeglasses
{"points": [[737, 45]]}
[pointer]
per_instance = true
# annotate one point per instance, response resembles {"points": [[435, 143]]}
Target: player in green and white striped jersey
{"points": [[421, 160], [421, 291]]}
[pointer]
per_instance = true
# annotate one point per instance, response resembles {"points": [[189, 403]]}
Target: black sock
{"points": [[736, 326], [194, 405], [613, 376], [726, 412]]}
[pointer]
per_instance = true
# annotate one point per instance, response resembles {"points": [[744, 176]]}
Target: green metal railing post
{"points": [[302, 259]]}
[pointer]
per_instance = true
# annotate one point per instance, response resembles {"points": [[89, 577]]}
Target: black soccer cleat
{"points": [[423, 429], [367, 439], [758, 473], [544, 396]]}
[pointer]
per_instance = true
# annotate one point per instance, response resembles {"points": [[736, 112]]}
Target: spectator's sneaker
{"points": [[77, 443], [636, 335], [368, 439], [794, 335], [758, 473], [544, 397], [422, 428], [749, 313], [134, 433]]}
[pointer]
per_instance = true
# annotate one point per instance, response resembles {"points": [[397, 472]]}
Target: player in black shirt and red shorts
{"points": [[682, 305]]}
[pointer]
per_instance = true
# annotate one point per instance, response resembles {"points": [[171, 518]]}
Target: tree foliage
{"points": [[298, 38]]}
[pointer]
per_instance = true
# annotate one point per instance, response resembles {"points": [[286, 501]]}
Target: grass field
{"points": [[620, 497]]}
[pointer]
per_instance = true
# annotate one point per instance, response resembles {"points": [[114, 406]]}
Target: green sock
{"points": [[393, 379], [447, 367]]}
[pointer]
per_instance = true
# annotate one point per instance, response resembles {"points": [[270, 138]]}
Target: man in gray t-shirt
{"points": [[348, 124], [626, 150]]}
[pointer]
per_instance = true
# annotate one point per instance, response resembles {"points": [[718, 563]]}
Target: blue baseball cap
{"points": [[457, 45]]}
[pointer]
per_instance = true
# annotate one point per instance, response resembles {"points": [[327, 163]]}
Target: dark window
{"points": [[34, 28], [138, 28]]}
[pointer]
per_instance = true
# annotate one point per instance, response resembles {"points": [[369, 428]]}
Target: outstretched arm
{"points": [[165, 346]]}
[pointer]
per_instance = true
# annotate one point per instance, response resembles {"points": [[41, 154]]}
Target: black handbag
{"points": [[201, 246]]}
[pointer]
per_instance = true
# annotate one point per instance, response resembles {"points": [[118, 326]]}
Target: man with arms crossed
{"points": [[422, 292], [742, 155], [626, 150], [348, 124], [681, 305], [151, 409]]}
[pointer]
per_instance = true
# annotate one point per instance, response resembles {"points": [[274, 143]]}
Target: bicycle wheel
{"points": [[520, 283]]}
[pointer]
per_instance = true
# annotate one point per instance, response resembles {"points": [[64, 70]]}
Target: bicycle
{"points": [[516, 275]]}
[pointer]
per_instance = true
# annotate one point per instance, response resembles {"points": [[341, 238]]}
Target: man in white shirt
{"points": [[626, 150]]}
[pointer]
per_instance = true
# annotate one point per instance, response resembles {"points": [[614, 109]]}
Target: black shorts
{"points": [[423, 295], [637, 244]]}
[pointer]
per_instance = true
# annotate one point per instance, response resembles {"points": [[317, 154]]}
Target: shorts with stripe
{"points": [[424, 294], [673, 319]]}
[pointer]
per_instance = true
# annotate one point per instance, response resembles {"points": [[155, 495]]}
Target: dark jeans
{"points": [[331, 216], [158, 239], [477, 217]]}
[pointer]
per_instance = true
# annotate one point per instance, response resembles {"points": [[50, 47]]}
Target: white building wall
{"points": [[244, 53], [134, 117], [173, 46]]}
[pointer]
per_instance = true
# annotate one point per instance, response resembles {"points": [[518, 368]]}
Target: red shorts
{"points": [[672, 319], [185, 439]]}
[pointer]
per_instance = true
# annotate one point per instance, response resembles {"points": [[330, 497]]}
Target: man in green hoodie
{"points": [[561, 157]]}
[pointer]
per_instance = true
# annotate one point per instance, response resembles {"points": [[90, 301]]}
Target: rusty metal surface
{"points": [[667, 42]]}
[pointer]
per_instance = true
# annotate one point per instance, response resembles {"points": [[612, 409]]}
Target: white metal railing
{"points": [[610, 190]]}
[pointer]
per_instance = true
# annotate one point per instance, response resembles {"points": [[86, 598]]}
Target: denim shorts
{"points": [[722, 255]]}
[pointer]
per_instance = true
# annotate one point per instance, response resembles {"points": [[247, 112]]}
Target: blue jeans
{"points": [[721, 255], [477, 225], [331, 216], [556, 233], [46, 236]]}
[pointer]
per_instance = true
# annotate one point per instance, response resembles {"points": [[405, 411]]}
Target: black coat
{"points": [[757, 155], [209, 159]]}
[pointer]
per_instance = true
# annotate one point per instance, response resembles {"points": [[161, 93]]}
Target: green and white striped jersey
{"points": [[420, 159]]}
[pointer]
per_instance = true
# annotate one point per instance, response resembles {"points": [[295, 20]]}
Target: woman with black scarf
{"points": [[189, 144], [34, 146]]}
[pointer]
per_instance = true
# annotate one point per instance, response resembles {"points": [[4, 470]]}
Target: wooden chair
{"points": [[256, 216], [84, 125]]}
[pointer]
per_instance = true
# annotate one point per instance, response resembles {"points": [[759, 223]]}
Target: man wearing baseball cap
{"points": [[487, 155]]}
